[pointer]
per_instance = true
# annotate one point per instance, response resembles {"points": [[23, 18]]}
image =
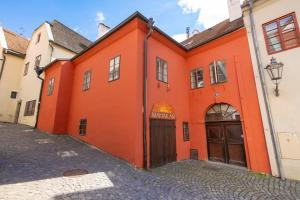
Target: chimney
{"points": [[234, 9], [102, 29]]}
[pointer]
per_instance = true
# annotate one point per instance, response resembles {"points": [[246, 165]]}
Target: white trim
{"points": [[49, 31], [2, 38]]}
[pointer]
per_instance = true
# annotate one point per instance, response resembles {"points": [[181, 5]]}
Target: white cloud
{"points": [[210, 12], [180, 37], [100, 17]]}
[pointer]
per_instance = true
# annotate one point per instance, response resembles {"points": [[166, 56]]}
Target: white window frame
{"points": [[214, 77], [194, 75], [114, 68], [161, 70], [87, 76]]}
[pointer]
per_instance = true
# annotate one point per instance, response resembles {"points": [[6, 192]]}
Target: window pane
{"points": [[111, 76], [287, 20], [271, 26], [161, 70], [291, 43], [200, 82], [111, 63], [221, 71], [193, 79], [212, 73], [117, 60]]}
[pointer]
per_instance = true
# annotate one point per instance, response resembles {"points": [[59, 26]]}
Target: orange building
{"points": [[141, 96]]}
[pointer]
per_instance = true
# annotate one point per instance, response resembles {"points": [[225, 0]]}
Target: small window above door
{"points": [[222, 112]]}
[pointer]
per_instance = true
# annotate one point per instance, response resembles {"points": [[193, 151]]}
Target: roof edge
{"points": [[217, 37], [54, 61], [14, 53], [123, 23]]}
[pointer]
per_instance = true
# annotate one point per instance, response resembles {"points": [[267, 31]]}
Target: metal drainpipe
{"points": [[263, 85], [2, 65], [145, 91], [39, 71]]}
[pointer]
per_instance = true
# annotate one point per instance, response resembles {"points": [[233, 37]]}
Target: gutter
{"points": [[264, 90], [2, 65], [145, 91], [39, 71]]}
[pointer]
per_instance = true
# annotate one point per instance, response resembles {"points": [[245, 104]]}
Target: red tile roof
{"points": [[213, 33], [15, 42]]}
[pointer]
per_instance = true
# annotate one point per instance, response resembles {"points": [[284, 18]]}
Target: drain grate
{"points": [[75, 172]]}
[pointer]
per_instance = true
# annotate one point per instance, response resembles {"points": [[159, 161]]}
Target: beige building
{"points": [[12, 53], [49, 41], [273, 31]]}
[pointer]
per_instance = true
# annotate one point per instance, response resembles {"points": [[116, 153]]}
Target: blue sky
{"points": [[172, 16]]}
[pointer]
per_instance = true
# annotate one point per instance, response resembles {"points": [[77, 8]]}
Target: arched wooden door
{"points": [[224, 132]]}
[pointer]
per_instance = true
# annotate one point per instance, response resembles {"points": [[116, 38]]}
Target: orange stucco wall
{"points": [[115, 111], [239, 91], [110, 107], [174, 93]]}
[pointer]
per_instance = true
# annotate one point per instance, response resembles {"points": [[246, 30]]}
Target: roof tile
{"points": [[213, 33]]}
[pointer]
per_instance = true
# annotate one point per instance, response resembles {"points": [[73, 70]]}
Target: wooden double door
{"points": [[225, 142], [162, 142]]}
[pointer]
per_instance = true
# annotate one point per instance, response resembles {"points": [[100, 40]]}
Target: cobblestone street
{"points": [[32, 166]]}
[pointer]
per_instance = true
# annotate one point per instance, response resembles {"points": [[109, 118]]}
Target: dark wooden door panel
{"points": [[225, 142], [162, 142], [216, 152], [235, 144], [215, 142]]}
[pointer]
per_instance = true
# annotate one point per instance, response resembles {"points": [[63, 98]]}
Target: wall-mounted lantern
{"points": [[274, 70]]}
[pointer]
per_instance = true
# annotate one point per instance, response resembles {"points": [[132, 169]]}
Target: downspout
{"points": [[145, 91], [39, 71], [263, 85], [2, 65]]}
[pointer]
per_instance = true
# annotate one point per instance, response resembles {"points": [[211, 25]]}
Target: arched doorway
{"points": [[224, 132]]}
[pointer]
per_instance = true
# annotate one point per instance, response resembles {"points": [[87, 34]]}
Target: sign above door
{"points": [[162, 111]]}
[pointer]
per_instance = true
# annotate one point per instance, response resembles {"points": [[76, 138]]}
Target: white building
{"points": [[49, 41], [273, 31], [12, 53]]}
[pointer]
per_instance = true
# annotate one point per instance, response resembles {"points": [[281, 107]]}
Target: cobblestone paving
{"points": [[32, 166]]}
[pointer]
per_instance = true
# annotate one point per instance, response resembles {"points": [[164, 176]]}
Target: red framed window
{"points": [[282, 33]]}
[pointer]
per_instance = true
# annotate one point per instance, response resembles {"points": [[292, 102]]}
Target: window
{"points": [[86, 80], [114, 69], [161, 70], [222, 112], [281, 34], [217, 72], [29, 108], [26, 69], [38, 38], [50, 87], [13, 95], [197, 78], [37, 61], [82, 127], [186, 131]]}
